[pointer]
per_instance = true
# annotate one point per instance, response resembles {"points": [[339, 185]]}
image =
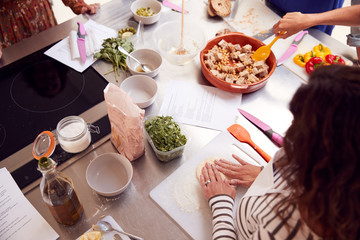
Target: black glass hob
{"points": [[36, 92]]}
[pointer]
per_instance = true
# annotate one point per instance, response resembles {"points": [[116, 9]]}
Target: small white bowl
{"points": [[146, 56], [109, 174], [154, 6], [142, 89]]}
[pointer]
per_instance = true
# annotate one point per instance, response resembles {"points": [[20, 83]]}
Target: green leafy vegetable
{"points": [[165, 133], [110, 53]]}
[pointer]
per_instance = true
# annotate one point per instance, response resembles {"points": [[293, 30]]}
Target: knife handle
{"points": [[275, 137], [81, 29], [173, 6], [300, 35]]}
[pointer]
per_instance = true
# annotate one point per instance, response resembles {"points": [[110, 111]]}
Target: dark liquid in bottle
{"points": [[63, 202]]}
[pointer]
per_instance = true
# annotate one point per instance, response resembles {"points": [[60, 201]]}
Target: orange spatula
{"points": [[241, 134]]}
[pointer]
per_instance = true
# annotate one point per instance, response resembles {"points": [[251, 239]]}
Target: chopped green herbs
{"points": [[110, 53], [165, 133]]}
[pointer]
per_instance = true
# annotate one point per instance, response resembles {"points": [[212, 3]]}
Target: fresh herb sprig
{"points": [[165, 133], [110, 53]]}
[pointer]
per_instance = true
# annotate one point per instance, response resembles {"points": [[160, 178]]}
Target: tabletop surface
{"points": [[134, 210]]}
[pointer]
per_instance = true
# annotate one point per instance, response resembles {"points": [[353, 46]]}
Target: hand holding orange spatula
{"points": [[263, 52], [241, 134]]}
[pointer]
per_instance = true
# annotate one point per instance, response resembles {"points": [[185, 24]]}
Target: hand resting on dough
{"points": [[242, 174]]}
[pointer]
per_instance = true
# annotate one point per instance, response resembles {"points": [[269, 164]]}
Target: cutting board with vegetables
{"points": [[180, 195], [306, 45]]}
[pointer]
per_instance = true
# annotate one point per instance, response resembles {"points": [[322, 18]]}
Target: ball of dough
{"points": [[202, 164]]}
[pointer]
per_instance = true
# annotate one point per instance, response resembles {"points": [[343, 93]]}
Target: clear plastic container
{"points": [[169, 155]]}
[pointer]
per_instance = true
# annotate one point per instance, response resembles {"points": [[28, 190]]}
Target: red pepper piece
{"points": [[334, 59], [313, 63]]}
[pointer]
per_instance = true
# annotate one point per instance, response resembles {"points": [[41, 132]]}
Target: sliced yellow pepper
{"points": [[321, 51], [299, 60], [308, 56]]}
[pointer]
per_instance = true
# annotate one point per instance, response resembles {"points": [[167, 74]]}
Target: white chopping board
{"points": [[180, 195], [306, 45], [252, 17]]}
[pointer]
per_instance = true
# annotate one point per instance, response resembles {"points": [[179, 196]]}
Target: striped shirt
{"points": [[256, 219]]}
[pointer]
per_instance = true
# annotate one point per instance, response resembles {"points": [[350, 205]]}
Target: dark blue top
{"points": [[309, 6]]}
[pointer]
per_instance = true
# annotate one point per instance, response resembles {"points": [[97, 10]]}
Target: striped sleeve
{"points": [[223, 221]]}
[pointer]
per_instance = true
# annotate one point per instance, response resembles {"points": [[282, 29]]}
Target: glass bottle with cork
{"points": [[57, 189]]}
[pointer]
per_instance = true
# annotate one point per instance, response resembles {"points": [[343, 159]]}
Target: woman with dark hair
{"points": [[311, 188]]}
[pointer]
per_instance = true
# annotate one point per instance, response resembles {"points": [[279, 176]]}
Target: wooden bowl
{"points": [[236, 38]]}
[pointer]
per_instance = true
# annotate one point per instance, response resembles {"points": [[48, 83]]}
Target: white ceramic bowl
{"points": [[147, 56], [109, 174], [154, 6], [168, 37], [142, 89]]}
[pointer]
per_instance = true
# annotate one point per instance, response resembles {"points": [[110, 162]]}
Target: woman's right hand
{"points": [[291, 23], [243, 174]]}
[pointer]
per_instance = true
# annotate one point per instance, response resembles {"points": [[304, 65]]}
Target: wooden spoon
{"points": [[263, 52], [241, 134], [181, 50]]}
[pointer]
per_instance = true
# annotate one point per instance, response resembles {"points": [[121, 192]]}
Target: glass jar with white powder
{"points": [[73, 134]]}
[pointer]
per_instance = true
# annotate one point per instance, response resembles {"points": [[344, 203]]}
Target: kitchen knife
{"points": [[81, 41], [275, 137], [173, 6], [293, 47]]}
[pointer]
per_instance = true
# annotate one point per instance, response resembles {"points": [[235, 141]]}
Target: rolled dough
{"points": [[202, 164]]}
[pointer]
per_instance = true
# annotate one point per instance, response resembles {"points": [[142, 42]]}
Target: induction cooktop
{"points": [[36, 92]]}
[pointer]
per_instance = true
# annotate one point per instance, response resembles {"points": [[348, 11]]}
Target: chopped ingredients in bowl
{"points": [[145, 12], [165, 133], [233, 63]]}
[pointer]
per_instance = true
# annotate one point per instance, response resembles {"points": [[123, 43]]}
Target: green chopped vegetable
{"points": [[145, 12], [110, 53], [165, 133]]}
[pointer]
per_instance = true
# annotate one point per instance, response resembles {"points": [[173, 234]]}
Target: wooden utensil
{"points": [[241, 134], [262, 53], [181, 50]]}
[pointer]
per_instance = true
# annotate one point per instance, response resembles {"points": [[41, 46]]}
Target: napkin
{"points": [[92, 43]]}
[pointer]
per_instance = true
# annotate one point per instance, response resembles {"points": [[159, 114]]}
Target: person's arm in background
{"points": [[80, 7], [294, 22]]}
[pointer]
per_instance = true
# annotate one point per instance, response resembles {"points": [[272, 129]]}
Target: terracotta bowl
{"points": [[236, 38]]}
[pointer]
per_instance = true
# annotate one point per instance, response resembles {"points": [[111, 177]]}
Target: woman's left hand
{"points": [[212, 183]]}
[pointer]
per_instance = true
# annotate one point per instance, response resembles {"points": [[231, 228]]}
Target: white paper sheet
{"points": [[62, 53], [200, 105], [18, 218]]}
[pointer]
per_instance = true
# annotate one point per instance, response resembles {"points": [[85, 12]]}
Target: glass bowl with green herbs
{"points": [[166, 137]]}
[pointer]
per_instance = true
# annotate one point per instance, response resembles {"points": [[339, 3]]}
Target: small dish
{"points": [[147, 56], [109, 174], [151, 6], [169, 155], [142, 89]]}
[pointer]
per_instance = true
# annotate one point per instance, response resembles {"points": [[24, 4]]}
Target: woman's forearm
{"points": [[347, 16]]}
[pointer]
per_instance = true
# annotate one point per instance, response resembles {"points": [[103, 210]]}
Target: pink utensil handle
{"points": [[173, 6], [277, 138], [288, 53], [81, 28], [299, 36]]}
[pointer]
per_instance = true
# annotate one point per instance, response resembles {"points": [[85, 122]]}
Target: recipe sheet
{"points": [[200, 105], [62, 51], [18, 218]]}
